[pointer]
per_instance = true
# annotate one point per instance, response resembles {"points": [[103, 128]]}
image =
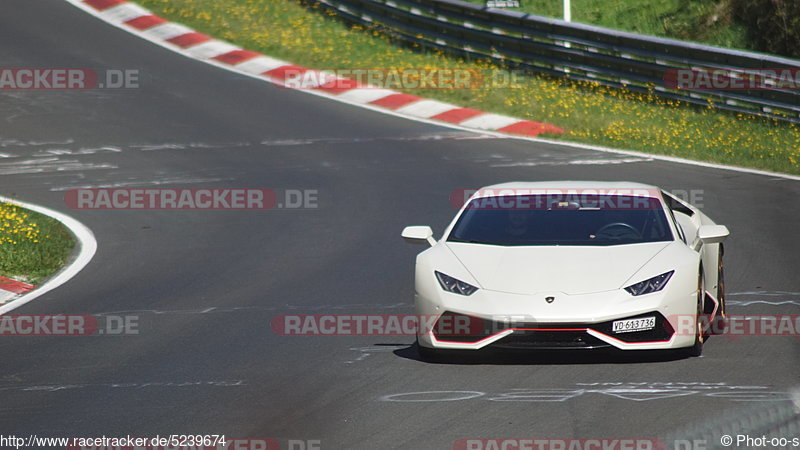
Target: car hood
{"points": [[567, 269]]}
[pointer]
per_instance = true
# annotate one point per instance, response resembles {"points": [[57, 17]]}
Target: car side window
{"points": [[674, 205]]}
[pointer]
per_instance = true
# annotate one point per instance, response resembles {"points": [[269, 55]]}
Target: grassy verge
{"points": [[708, 21], [591, 114], [32, 246]]}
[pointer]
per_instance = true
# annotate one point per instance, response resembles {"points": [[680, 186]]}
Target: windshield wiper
{"points": [[467, 241]]}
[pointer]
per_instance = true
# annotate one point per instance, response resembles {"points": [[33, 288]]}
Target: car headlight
{"points": [[453, 285], [654, 284]]}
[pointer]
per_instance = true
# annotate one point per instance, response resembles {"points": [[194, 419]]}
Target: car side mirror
{"points": [[712, 234], [418, 234]]}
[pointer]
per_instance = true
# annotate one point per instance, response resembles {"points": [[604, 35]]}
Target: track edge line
{"points": [[87, 248]]}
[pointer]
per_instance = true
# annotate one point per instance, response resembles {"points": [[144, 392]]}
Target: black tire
{"points": [[720, 325]]}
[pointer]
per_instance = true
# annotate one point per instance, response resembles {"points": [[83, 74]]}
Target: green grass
{"points": [[592, 114], [706, 21], [32, 246]]}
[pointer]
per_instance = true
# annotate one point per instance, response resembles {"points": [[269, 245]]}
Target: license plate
{"points": [[629, 325]]}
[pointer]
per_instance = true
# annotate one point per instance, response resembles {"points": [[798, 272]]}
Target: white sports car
{"points": [[564, 265]]}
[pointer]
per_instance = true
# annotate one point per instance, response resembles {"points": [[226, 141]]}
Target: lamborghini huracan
{"points": [[570, 265]]}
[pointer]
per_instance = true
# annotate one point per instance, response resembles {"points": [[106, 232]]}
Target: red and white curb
{"points": [[140, 21], [11, 289], [14, 294], [14, 286]]}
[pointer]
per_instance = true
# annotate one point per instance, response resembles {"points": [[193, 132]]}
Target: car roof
{"points": [[570, 185], [567, 187]]}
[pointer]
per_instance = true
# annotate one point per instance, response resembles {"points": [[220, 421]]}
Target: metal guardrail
{"points": [[582, 52]]}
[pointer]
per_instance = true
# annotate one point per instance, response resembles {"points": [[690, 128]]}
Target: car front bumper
{"points": [[584, 321]]}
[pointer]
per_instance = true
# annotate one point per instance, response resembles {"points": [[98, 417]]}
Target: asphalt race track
{"points": [[204, 285]]}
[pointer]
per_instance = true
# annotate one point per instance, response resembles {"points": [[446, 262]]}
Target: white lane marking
{"points": [[190, 145], [641, 395], [444, 396], [80, 151], [543, 395], [575, 162], [767, 293], [29, 161], [342, 98], [762, 302], [235, 309], [784, 298], [18, 143], [421, 137], [366, 352], [454, 135], [64, 142], [638, 392], [361, 357], [124, 385], [671, 159], [49, 165], [86, 243], [136, 183]]}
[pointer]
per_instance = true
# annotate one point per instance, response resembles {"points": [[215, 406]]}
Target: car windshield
{"points": [[543, 220]]}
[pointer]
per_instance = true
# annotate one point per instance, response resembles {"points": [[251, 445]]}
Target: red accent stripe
{"points": [[103, 4], [713, 314], [145, 22], [433, 336], [637, 343], [17, 287], [550, 329], [553, 329], [280, 72], [457, 115], [530, 128], [395, 101], [512, 329], [189, 39], [236, 56], [339, 86]]}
